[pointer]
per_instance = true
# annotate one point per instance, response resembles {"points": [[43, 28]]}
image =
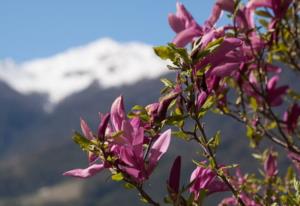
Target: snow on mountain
{"points": [[108, 62]]}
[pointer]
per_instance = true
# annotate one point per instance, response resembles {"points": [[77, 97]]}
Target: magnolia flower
{"points": [[291, 117], [206, 179], [279, 7], [125, 141], [225, 5], [174, 178], [270, 165], [94, 167], [184, 25], [129, 145], [232, 201], [202, 96], [274, 94]]}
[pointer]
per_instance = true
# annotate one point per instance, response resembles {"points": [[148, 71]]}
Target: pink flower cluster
{"points": [[235, 56], [124, 141]]}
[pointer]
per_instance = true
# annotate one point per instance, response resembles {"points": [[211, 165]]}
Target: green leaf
{"points": [[215, 43], [164, 52], [83, 142], [144, 200], [117, 177], [182, 52], [253, 103], [129, 186], [209, 103], [181, 135], [263, 13], [271, 125], [263, 23], [215, 141], [167, 82], [254, 137]]}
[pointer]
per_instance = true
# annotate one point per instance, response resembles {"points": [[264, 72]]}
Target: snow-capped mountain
{"points": [[105, 61]]}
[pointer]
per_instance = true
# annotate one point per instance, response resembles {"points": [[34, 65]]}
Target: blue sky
{"points": [[39, 28]]}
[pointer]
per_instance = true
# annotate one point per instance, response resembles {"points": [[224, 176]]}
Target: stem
{"points": [[145, 195], [211, 155]]}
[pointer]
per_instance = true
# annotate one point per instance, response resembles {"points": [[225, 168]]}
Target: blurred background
{"points": [[61, 60]]}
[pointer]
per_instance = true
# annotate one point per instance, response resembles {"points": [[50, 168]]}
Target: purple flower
{"points": [[232, 201], [291, 118], [129, 146], [279, 7], [274, 94], [295, 159], [103, 125], [270, 165], [226, 5], [174, 179], [94, 167], [166, 101], [184, 25], [202, 96], [125, 141], [206, 179], [85, 173]]}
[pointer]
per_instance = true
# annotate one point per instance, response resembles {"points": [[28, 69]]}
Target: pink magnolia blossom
{"points": [[225, 5], [275, 94], [232, 201], [184, 25], [94, 167], [174, 178], [87, 172], [202, 96], [291, 118], [270, 165], [127, 146], [206, 179], [279, 7]]}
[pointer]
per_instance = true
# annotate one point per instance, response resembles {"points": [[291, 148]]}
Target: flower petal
{"points": [[118, 113], [85, 173]]}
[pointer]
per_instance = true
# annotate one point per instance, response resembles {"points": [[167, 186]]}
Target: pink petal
{"points": [[225, 69], [272, 82], [85, 129], [103, 125], [118, 113], [186, 36], [163, 142], [159, 147], [85, 173], [177, 24]]}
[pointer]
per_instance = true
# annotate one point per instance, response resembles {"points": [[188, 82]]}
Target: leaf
{"points": [[129, 186], [209, 103], [215, 141], [167, 82], [117, 177], [181, 135], [215, 43], [164, 52], [83, 142], [182, 52], [253, 103], [263, 13], [263, 23], [254, 137]]}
